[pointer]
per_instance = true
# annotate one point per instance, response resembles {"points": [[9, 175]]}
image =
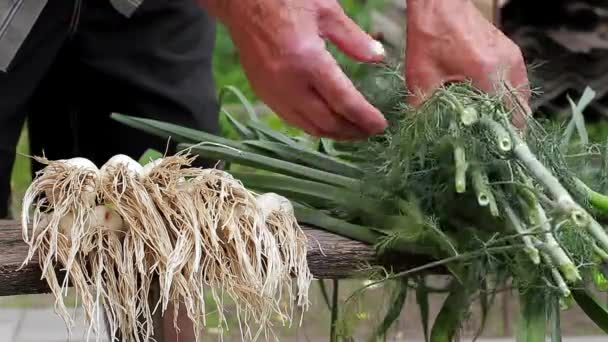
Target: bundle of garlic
{"points": [[122, 229]]}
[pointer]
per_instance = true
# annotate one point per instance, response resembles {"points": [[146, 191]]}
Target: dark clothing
{"points": [[83, 60], [17, 17]]}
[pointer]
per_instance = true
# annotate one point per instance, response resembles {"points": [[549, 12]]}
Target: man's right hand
{"points": [[282, 50]]}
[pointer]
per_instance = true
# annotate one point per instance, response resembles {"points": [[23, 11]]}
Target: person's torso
{"points": [[17, 17]]}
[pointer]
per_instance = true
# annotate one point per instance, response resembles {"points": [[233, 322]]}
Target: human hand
{"points": [[450, 41], [282, 50]]}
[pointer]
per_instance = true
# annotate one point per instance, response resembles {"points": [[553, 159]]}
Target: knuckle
{"points": [[331, 126], [275, 67], [327, 9], [348, 106], [314, 131], [303, 52]]}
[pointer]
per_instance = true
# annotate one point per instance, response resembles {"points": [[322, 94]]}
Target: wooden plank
{"points": [[329, 257]]}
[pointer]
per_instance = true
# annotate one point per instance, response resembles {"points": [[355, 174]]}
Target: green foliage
{"points": [[426, 185], [149, 155], [397, 303]]}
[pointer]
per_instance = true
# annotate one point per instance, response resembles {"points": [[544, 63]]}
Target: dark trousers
{"points": [[83, 61]]}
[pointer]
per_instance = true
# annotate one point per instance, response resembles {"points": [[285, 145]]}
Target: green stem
{"points": [[557, 277], [555, 251], [446, 261], [597, 231], [468, 115], [485, 197], [461, 166], [546, 178], [532, 318], [499, 133], [450, 315], [600, 252], [597, 200], [517, 225], [556, 332], [480, 184], [324, 293], [334, 312], [369, 235], [319, 219], [394, 311]]}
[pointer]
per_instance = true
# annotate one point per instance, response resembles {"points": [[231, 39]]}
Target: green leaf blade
{"points": [[394, 311], [592, 307], [258, 161], [303, 156], [532, 322], [241, 129], [174, 132]]}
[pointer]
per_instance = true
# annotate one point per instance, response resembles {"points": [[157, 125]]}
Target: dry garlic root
{"points": [[118, 229], [60, 204]]}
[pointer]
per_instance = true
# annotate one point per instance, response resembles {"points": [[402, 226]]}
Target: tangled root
{"points": [[60, 204], [120, 229], [278, 214]]}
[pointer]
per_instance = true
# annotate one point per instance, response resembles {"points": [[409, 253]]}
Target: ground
{"points": [[30, 318]]}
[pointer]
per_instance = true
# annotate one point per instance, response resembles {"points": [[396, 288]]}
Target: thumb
{"points": [[343, 32]]}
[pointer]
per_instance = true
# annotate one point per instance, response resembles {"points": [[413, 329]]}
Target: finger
{"points": [[331, 123], [518, 101], [334, 87], [294, 118], [513, 84], [422, 82], [343, 32], [523, 93], [315, 118]]}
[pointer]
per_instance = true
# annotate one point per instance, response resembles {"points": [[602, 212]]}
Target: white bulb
{"points": [[84, 166], [66, 223], [271, 201], [81, 162], [108, 218], [147, 169], [121, 159]]}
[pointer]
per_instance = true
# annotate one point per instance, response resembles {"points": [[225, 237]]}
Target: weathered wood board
{"points": [[329, 257]]}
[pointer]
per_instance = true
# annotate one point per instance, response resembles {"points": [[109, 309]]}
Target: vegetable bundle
{"points": [[122, 229], [453, 180]]}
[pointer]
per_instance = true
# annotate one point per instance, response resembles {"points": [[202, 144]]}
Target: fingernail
{"points": [[377, 49]]}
